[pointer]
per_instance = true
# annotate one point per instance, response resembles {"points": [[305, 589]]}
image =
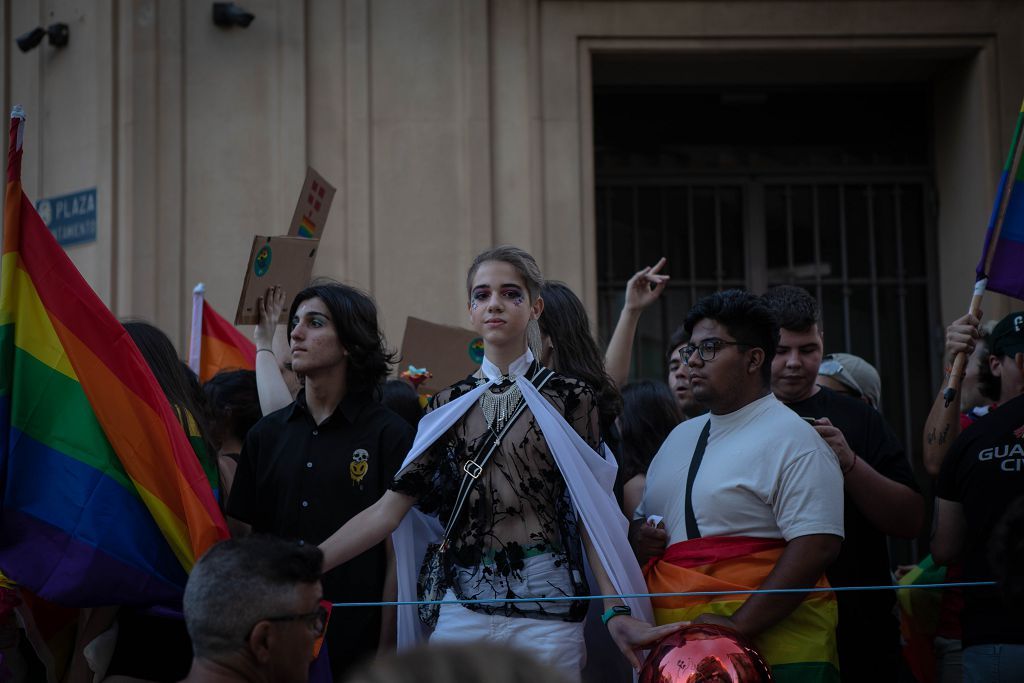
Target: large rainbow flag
{"points": [[102, 499], [801, 648], [1003, 254], [215, 343]]}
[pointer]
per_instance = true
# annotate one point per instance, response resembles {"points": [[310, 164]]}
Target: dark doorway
{"points": [[825, 186]]}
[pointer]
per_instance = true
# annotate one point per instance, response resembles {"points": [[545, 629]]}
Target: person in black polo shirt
{"points": [[881, 494], [981, 475], [310, 467]]}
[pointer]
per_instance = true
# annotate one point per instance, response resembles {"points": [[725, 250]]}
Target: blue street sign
{"points": [[70, 217]]}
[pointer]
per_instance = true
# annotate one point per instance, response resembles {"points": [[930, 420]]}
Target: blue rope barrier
{"points": [[564, 598]]}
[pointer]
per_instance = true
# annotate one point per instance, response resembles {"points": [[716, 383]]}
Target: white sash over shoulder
{"points": [[588, 477]]}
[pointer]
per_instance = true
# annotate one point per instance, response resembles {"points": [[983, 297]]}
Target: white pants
{"points": [[559, 644]]}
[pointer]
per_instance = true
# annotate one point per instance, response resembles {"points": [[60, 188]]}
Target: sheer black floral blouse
{"points": [[519, 536]]}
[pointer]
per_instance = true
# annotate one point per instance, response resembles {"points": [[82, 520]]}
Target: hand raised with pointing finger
{"points": [[646, 285]]}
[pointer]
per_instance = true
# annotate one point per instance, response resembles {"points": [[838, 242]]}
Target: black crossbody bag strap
{"points": [[698, 454], [473, 470]]}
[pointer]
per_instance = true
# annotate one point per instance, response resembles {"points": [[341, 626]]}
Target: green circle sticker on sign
{"points": [[262, 263]]}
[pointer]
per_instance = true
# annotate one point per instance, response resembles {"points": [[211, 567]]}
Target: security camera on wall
{"points": [[228, 14]]}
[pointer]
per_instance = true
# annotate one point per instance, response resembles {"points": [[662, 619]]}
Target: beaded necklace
{"points": [[497, 408]]}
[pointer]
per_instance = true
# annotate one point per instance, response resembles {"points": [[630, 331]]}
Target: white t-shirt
{"points": [[766, 473]]}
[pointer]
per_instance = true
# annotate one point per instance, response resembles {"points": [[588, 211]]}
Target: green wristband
{"points": [[616, 611]]}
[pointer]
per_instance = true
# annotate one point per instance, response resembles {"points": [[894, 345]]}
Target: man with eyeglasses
{"points": [[750, 496], [253, 609], [882, 496]]}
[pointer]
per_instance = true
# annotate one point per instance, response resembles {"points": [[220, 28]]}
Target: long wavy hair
{"points": [[177, 381], [567, 325], [649, 413]]}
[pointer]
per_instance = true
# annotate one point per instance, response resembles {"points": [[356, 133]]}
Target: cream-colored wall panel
{"points": [[426, 180], [358, 144], [71, 122], [25, 71], [325, 116], [167, 170], [964, 161], [138, 266], [244, 145], [516, 127]]}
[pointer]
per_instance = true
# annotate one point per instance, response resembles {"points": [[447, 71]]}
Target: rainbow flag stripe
{"points": [[103, 500], [1005, 273], [801, 648], [223, 347]]}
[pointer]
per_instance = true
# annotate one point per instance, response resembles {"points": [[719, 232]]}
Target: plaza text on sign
{"points": [[70, 217]]}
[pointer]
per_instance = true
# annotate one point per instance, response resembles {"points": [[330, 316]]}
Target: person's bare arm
{"points": [[389, 614], [629, 633], [943, 423], [950, 531], [801, 565], [272, 389], [893, 508], [642, 290], [632, 494], [365, 530]]}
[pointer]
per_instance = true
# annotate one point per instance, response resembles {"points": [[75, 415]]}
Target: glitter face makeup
{"points": [[499, 305]]}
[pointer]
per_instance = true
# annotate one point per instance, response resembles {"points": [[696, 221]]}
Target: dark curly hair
{"points": [[746, 317], [576, 355], [649, 413], [794, 308], [355, 319]]}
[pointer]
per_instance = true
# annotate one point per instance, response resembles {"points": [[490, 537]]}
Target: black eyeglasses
{"points": [[315, 620], [707, 349]]}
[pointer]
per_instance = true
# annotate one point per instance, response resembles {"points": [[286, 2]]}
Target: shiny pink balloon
{"points": [[705, 653]]}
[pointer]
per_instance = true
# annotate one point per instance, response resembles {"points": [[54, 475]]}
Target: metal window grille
{"points": [[863, 246]]}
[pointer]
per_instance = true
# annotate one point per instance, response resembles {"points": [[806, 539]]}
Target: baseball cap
{"points": [[1007, 338], [855, 373]]}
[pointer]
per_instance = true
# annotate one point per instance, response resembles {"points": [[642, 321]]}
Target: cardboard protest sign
{"points": [[449, 353], [311, 210], [283, 261]]}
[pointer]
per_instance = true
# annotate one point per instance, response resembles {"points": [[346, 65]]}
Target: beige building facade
{"points": [[451, 125]]}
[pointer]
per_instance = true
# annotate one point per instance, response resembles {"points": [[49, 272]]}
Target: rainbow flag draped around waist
{"points": [[102, 499], [801, 648]]}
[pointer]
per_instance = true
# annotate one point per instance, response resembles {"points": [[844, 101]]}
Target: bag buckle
{"points": [[472, 469]]}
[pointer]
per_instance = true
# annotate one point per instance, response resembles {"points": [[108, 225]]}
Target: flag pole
{"points": [[1003, 197], [195, 342]]}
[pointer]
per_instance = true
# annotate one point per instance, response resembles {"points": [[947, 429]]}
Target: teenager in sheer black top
{"points": [[520, 535], [520, 508]]}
